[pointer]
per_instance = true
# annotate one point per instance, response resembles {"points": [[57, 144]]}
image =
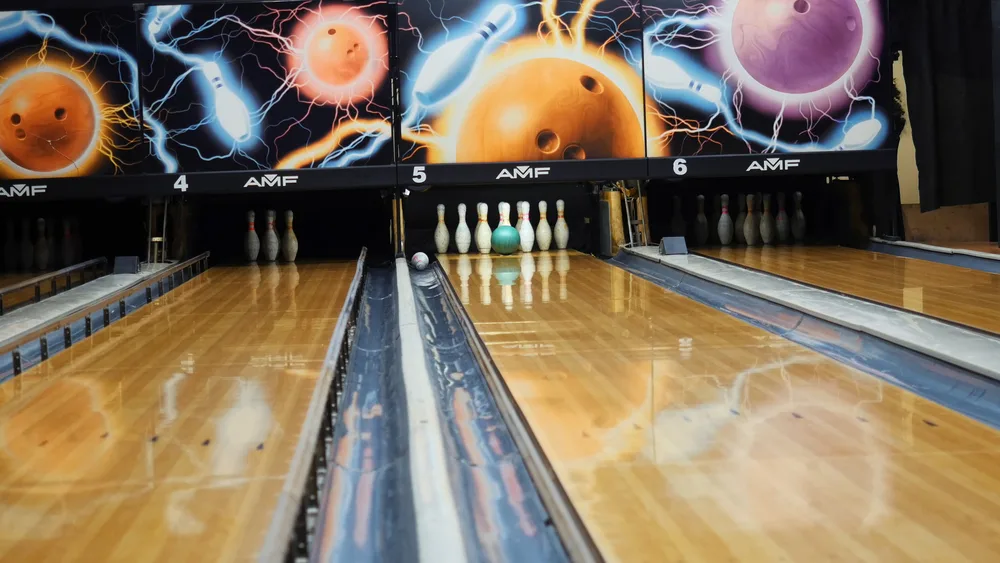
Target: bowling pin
{"points": [[543, 232], [41, 247], [526, 232], [561, 232], [798, 220], [767, 229], [725, 223], [484, 234], [504, 208], [450, 65], [289, 242], [463, 237], [741, 201], [251, 242], [750, 228], [520, 218], [701, 223], [270, 238], [781, 221], [27, 247], [230, 111], [666, 74], [67, 245], [678, 227], [10, 248], [441, 237]]}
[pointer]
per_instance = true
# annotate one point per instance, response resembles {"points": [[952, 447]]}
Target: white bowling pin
{"points": [[270, 238], [41, 247], [504, 209], [447, 68], [463, 237], [525, 230], [441, 237], [666, 74], [230, 110], [562, 230], [543, 232], [484, 234], [860, 135], [289, 242], [520, 218], [251, 242]]}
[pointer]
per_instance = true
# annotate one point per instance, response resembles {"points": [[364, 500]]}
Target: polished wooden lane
{"points": [[959, 295], [682, 434], [167, 437]]}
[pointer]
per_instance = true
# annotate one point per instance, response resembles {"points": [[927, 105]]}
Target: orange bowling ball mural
{"points": [[520, 81], [68, 94]]}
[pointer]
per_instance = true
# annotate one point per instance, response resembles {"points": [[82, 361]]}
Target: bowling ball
{"points": [[337, 53], [47, 121], [505, 240], [797, 46], [549, 109]]}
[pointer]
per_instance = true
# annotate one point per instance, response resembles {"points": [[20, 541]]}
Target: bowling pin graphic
{"points": [[463, 237], [665, 74], [41, 247], [289, 242], [526, 232], [230, 110], [251, 242], [561, 232], [484, 235], [270, 238], [725, 223], [441, 237], [543, 233], [451, 64]]}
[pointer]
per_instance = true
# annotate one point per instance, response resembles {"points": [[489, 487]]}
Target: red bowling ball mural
{"points": [[765, 76], [69, 94]]}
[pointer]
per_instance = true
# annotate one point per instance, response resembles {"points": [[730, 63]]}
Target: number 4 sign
{"points": [[181, 183]]}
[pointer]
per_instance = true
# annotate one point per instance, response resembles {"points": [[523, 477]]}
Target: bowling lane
{"points": [[682, 434], [960, 295], [167, 436]]}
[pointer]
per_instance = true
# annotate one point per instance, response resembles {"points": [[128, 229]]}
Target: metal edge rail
{"points": [[197, 265], [53, 278], [576, 539], [290, 535]]}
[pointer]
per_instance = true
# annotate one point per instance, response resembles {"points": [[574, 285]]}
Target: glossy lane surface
{"points": [[682, 434], [959, 295], [167, 436]]}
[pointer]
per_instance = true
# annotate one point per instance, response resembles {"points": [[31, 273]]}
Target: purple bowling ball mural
{"points": [[764, 76]]}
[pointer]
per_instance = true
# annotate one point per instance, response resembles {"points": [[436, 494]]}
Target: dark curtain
{"points": [[947, 62]]}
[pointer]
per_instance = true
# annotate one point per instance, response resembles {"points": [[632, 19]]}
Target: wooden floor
{"points": [[682, 434], [167, 436], [960, 295]]}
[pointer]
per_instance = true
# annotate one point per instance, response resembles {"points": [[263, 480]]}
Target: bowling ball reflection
{"points": [[797, 46], [47, 121], [549, 109], [337, 54]]}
